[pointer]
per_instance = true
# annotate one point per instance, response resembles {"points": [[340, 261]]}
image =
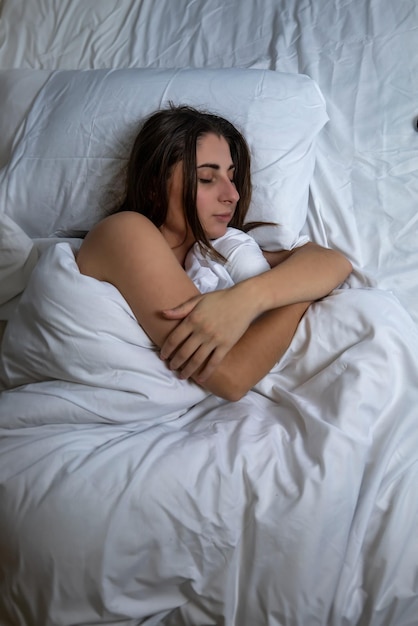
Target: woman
{"points": [[188, 179]]}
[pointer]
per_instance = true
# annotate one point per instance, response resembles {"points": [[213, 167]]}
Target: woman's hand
{"points": [[212, 324]]}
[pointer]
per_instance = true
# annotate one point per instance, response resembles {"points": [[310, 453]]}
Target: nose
{"points": [[229, 192]]}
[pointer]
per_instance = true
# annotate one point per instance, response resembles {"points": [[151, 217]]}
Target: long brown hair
{"points": [[167, 137]]}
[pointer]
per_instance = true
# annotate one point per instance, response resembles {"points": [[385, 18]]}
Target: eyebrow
{"points": [[215, 166]]}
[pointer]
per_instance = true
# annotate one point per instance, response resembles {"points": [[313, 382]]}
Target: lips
{"points": [[224, 217]]}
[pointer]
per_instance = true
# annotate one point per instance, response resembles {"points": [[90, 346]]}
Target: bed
{"points": [[129, 496]]}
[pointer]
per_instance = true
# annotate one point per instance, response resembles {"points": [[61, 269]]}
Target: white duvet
{"points": [[130, 497]]}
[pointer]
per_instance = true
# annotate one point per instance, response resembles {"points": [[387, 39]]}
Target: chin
{"points": [[216, 233]]}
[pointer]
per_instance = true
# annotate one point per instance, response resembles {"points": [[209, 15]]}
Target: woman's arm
{"points": [[218, 319], [261, 346], [308, 272], [127, 251]]}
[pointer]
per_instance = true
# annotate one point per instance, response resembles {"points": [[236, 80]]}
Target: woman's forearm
{"points": [[305, 274], [253, 356]]}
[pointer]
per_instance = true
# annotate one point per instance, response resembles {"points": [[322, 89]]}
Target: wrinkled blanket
{"points": [[128, 496]]}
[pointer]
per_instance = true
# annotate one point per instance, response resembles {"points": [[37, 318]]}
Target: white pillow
{"points": [[64, 173], [18, 88]]}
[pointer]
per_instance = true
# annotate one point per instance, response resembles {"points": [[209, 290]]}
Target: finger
{"points": [[181, 311], [196, 361], [176, 338], [185, 352], [211, 364]]}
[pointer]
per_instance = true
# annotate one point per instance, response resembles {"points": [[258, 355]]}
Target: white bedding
{"points": [[116, 496], [296, 506]]}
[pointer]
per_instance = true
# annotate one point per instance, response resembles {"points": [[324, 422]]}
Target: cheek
{"points": [[202, 205]]}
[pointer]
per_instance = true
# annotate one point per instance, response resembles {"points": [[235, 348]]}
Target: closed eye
{"points": [[214, 167]]}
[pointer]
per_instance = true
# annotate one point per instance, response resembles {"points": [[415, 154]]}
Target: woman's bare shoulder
{"points": [[117, 238], [121, 224], [129, 252]]}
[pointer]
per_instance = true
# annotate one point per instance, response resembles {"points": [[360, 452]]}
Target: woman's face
{"points": [[217, 195]]}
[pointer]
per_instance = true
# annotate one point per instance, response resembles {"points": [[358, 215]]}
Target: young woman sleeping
{"points": [[188, 180]]}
